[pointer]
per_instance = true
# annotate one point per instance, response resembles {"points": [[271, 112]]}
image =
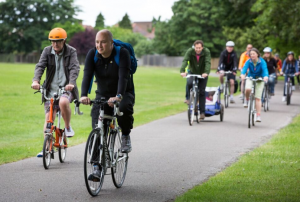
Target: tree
{"points": [[23, 23], [144, 47], [191, 20], [125, 22], [100, 21], [71, 29], [84, 41]]}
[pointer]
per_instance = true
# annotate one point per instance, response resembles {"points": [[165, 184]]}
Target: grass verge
{"points": [[268, 173]]}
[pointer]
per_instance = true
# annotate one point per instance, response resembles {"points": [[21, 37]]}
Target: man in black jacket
{"points": [[228, 62], [114, 82]]}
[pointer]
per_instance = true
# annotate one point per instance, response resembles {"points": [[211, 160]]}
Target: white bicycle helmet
{"points": [[268, 50], [230, 44]]}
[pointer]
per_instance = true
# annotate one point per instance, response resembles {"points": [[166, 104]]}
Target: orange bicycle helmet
{"points": [[57, 34]]}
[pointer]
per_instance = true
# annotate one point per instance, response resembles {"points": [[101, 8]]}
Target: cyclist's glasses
{"points": [[56, 41]]}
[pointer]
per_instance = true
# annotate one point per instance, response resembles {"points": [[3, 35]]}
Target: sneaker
{"points": [[126, 144], [258, 119], [40, 155], [69, 132], [202, 117], [283, 98], [293, 88], [232, 101], [241, 96], [246, 104], [95, 176], [187, 102]]}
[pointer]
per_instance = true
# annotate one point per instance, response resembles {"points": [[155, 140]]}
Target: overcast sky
{"points": [[114, 10]]}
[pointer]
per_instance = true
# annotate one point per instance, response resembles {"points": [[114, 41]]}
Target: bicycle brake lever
{"points": [[36, 92]]}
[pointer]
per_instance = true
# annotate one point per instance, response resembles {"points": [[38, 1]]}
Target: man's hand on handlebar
{"points": [[243, 77], [266, 79], [111, 101], [85, 100], [204, 75], [69, 87], [183, 74], [35, 85]]}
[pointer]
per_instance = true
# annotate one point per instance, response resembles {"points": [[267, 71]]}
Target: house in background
{"points": [[144, 28]]}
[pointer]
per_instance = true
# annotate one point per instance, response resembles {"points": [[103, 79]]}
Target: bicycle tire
{"points": [[62, 151], [288, 93], [250, 111], [93, 187], [196, 109], [191, 109], [119, 161], [226, 95], [47, 152], [268, 99], [265, 98], [222, 113]]}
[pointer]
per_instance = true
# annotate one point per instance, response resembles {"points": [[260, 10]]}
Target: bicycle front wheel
{"points": [[226, 96], [265, 99], [196, 108], [288, 93], [91, 157], [191, 108], [62, 151], [119, 161], [47, 151], [250, 111]]}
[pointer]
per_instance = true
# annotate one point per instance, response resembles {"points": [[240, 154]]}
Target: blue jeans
{"points": [[271, 82]]}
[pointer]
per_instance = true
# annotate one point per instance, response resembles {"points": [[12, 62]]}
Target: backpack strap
{"points": [[117, 56], [95, 60]]}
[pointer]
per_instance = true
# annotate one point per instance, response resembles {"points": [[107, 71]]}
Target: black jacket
{"points": [[228, 61], [112, 79]]}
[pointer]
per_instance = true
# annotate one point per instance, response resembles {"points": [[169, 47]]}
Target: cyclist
{"points": [[272, 68], [290, 66], [63, 68], [279, 62], [257, 68], [200, 63], [228, 62], [113, 82], [243, 59]]}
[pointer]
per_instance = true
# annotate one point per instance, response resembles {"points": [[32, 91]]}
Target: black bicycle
{"points": [[288, 88], [193, 109], [103, 150]]}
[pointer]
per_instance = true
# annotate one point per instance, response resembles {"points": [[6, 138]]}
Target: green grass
{"points": [[268, 173], [159, 93]]}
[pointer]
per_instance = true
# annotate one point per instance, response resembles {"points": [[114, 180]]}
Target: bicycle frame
{"points": [[50, 123], [112, 124]]}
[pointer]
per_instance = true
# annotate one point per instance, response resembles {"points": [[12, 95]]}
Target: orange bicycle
{"points": [[54, 136]]}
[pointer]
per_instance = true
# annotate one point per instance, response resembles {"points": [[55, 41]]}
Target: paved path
{"points": [[168, 158]]}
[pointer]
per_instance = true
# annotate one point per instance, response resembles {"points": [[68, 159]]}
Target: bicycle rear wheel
{"points": [[119, 161], [93, 186], [62, 151], [47, 151], [191, 109]]}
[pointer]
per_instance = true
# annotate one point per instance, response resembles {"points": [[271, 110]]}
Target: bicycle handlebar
{"points": [[289, 75], [195, 75], [100, 102], [56, 96], [252, 79], [226, 72]]}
